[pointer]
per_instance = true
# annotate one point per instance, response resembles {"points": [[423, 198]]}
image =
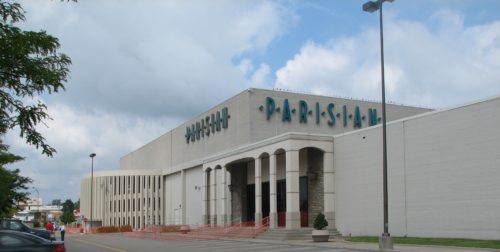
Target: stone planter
{"points": [[320, 235]]}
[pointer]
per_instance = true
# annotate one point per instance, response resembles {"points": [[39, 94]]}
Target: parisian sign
{"points": [[209, 125], [332, 113]]}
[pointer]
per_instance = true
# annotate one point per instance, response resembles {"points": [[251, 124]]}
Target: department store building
{"points": [[281, 158]]}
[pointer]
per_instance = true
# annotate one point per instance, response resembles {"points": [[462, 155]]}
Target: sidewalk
{"points": [[338, 244]]}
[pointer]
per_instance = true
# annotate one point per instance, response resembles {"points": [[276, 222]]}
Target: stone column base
{"points": [[204, 219], [258, 219], [213, 220], [229, 219], [292, 220], [273, 220], [330, 217], [221, 220]]}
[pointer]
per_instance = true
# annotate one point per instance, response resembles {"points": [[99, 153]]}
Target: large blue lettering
{"points": [[303, 111], [330, 107], [287, 116]]}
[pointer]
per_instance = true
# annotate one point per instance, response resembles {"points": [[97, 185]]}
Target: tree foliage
{"points": [[12, 184], [68, 216], [30, 65]]}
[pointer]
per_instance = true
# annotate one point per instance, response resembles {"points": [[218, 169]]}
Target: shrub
{"points": [[107, 229], [320, 222], [113, 229], [125, 228], [170, 228]]}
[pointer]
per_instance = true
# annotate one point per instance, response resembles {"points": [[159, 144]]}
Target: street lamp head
{"points": [[92, 155], [371, 6]]}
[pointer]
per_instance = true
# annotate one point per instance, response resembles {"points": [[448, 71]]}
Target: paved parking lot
{"points": [[120, 243]]}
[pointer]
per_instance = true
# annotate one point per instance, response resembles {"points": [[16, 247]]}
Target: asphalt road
{"points": [[120, 243]]}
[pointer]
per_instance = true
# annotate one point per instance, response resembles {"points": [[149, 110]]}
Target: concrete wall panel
{"points": [[443, 173]]}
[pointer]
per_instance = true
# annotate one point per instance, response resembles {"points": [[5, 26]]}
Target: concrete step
{"points": [[227, 232], [291, 234]]}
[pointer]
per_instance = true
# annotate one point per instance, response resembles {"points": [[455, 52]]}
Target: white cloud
{"points": [[425, 67], [312, 69], [261, 76], [164, 48], [139, 69], [77, 133], [245, 66]]}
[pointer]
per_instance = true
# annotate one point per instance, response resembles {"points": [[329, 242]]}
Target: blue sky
{"points": [[141, 68], [322, 21]]}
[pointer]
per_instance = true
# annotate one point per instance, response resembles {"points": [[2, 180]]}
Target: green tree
{"points": [[77, 204], [30, 65], [11, 183], [68, 215]]}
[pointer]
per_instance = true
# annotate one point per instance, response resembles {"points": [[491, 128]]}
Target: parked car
{"points": [[17, 225], [14, 241]]}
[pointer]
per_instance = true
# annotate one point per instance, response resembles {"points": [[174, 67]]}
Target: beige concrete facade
{"points": [[443, 167], [124, 198], [268, 139], [281, 158]]}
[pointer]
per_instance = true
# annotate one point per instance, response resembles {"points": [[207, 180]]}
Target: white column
{"points": [[141, 202], [273, 211], [258, 191], [112, 200], [183, 202], [204, 198], [329, 190], [122, 198], [162, 201], [155, 197], [222, 217], [127, 200], [213, 197], [136, 205], [149, 200], [292, 190], [229, 201], [157, 193]]}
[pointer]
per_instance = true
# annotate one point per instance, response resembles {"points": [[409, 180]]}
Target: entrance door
{"points": [[250, 203], [265, 199], [304, 202], [281, 202]]}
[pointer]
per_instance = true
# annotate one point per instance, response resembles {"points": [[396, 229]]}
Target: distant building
{"points": [[33, 209], [285, 157]]}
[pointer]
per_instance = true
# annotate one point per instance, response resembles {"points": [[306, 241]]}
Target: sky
{"points": [[142, 68]]}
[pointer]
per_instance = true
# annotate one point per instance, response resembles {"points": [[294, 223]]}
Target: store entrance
{"points": [[280, 201]]}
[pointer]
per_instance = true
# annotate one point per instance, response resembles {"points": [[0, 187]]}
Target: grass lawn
{"points": [[433, 241]]}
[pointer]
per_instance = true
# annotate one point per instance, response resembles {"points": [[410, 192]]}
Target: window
{"points": [[4, 225], [14, 225], [7, 239], [133, 184]]}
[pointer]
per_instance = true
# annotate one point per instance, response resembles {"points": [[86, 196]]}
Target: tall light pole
{"points": [[37, 201], [91, 188], [385, 241]]}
